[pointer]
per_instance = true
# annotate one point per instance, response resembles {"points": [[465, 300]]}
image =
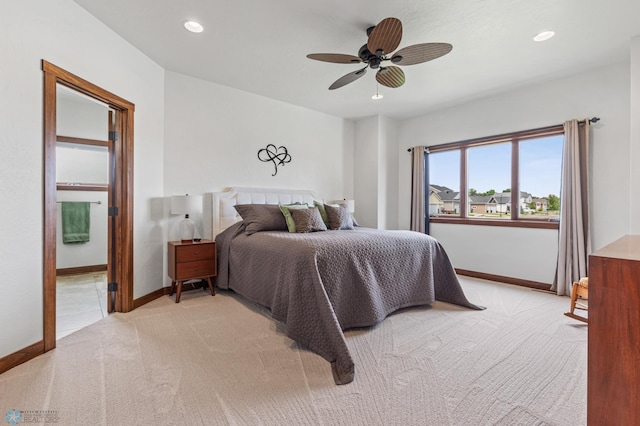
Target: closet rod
{"points": [[92, 202]]}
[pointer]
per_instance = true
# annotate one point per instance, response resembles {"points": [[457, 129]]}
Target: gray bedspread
{"points": [[322, 283]]}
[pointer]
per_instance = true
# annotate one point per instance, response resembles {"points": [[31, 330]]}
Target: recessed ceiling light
{"points": [[545, 35], [193, 26]]}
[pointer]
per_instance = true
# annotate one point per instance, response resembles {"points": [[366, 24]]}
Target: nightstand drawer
{"points": [[195, 252], [201, 268]]}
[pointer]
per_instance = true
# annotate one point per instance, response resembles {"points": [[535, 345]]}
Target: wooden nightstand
{"points": [[190, 261]]}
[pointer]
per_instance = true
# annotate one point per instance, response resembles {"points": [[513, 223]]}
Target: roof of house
{"points": [[441, 188], [449, 195], [505, 197], [502, 197], [482, 199]]}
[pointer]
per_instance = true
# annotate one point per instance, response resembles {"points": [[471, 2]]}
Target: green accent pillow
{"points": [[323, 212], [291, 225]]}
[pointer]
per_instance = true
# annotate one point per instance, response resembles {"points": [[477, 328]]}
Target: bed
{"points": [[321, 283]]}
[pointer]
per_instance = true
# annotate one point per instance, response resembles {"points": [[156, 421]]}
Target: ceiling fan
{"points": [[384, 38]]}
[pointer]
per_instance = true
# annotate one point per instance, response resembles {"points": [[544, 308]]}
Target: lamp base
{"points": [[186, 229]]}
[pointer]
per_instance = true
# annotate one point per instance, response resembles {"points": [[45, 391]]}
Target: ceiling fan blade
{"points": [[348, 78], [385, 36], [419, 53], [390, 77], [336, 58]]}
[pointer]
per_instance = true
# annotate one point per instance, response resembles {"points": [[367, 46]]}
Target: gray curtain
{"points": [[574, 241], [419, 188]]}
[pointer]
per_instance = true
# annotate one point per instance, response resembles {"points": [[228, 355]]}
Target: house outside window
{"points": [[512, 178]]}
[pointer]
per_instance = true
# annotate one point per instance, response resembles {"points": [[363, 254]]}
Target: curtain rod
{"points": [[591, 120], [91, 202]]}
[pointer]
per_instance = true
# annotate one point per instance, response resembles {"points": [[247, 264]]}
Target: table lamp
{"points": [[186, 204]]}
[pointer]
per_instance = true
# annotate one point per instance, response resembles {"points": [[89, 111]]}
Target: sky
{"points": [[489, 167]]}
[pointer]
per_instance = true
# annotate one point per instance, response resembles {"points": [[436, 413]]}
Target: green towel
{"points": [[75, 222]]}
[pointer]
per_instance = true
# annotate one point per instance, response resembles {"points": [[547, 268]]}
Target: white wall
{"points": [[79, 117], [348, 159], [376, 175], [500, 250], [213, 135], [388, 176], [634, 157], [365, 169], [82, 166], [93, 252], [66, 35], [602, 92]]}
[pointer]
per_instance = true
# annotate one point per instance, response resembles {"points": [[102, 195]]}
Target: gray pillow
{"points": [[339, 217], [287, 214], [261, 217], [308, 220]]}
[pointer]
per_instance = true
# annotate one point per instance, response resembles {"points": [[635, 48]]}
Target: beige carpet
{"points": [[217, 360]]}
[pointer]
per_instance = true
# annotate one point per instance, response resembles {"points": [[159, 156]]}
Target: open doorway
{"points": [[83, 151], [99, 166]]}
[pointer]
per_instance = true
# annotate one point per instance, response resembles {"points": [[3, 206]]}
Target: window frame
{"points": [[515, 138]]}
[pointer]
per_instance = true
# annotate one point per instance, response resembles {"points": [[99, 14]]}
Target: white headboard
{"points": [[225, 215]]}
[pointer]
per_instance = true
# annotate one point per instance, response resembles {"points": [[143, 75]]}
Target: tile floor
{"points": [[81, 300]]}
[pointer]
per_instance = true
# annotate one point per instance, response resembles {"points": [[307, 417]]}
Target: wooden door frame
{"points": [[123, 193]]}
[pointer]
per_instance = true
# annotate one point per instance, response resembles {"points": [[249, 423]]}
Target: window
{"points": [[540, 174], [444, 188], [511, 180], [488, 176]]}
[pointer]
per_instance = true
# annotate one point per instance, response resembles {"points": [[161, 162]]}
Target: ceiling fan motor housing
{"points": [[372, 59], [365, 54]]}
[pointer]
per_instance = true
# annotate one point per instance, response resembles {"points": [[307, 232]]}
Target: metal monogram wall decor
{"points": [[278, 156]]}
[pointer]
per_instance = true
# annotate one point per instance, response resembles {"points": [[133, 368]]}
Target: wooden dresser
{"points": [[613, 380], [189, 261]]}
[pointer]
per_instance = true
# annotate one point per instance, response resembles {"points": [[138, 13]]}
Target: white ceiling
{"points": [[260, 46]]}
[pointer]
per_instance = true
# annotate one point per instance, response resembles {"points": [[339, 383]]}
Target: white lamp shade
{"points": [[351, 204], [186, 204]]}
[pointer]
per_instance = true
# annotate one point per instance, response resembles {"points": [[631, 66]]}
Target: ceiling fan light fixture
{"points": [[544, 35], [377, 96], [193, 26]]}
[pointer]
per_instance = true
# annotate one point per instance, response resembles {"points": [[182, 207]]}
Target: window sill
{"points": [[521, 223]]}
